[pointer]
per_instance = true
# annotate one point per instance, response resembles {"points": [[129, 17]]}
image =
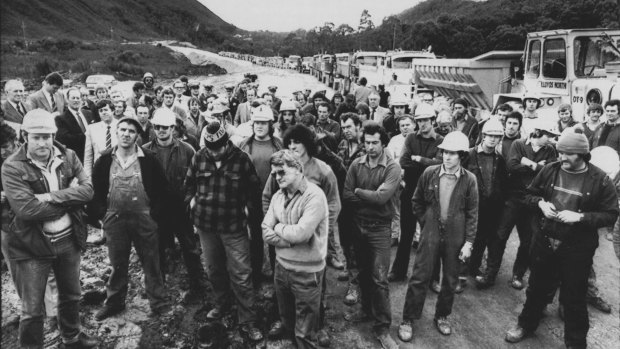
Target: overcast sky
{"points": [[288, 15]]}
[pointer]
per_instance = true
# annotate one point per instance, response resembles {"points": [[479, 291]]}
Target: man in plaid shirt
{"points": [[220, 183]]}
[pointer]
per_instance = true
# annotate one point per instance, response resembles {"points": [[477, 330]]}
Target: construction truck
{"points": [[576, 66]]}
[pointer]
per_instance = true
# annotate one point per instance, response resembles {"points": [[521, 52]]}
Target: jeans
{"points": [[396, 218], [121, 230], [570, 265], [30, 277], [373, 261], [334, 249], [407, 231], [434, 246], [227, 262], [178, 223], [299, 302], [514, 214]]}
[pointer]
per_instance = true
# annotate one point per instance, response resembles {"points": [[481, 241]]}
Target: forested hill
{"points": [[129, 19], [464, 28]]}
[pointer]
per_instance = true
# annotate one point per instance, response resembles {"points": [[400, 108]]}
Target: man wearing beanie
{"points": [[221, 183], [571, 199]]}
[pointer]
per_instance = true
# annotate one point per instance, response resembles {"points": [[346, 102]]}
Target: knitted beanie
{"points": [[216, 135], [573, 142]]}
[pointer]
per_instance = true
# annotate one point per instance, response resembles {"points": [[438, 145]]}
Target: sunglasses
{"points": [[160, 127]]}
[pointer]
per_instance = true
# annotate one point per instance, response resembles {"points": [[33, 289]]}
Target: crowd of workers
{"points": [[258, 188]]}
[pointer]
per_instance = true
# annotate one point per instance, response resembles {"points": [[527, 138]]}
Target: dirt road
{"points": [[479, 319]]}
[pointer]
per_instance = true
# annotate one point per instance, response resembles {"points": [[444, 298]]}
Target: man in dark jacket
{"points": [[47, 230], [175, 157], [490, 169], [572, 200], [130, 191], [446, 203], [221, 183], [72, 124]]}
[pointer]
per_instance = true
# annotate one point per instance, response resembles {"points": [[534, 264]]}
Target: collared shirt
{"points": [[443, 171], [371, 189], [125, 163], [78, 115], [49, 97]]}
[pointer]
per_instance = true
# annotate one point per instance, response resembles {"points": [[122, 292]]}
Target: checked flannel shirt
{"points": [[223, 193]]}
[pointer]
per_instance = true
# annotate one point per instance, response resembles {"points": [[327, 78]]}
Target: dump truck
{"points": [[576, 66]]}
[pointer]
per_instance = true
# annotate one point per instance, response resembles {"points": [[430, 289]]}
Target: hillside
{"points": [[130, 19]]}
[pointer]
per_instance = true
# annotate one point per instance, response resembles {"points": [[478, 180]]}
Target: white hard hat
{"points": [[455, 141], [546, 125], [399, 101], [262, 113], [163, 117], [39, 121], [288, 105], [606, 158], [531, 95], [493, 127], [424, 111]]}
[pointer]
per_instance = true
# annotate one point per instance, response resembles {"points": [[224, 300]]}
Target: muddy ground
{"points": [[479, 318]]}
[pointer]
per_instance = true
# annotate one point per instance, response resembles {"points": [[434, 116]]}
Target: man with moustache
{"points": [[46, 231], [130, 195], [572, 199], [371, 183], [175, 157], [288, 110], [446, 203], [220, 184], [464, 121]]}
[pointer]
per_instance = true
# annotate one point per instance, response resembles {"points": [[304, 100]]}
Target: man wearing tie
{"points": [[72, 124], [48, 97], [100, 136], [14, 108]]}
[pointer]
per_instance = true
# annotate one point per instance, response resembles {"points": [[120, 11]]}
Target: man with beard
{"points": [[221, 183], [421, 150], [130, 195], [463, 121], [489, 167], [296, 223], [446, 202], [371, 182], [46, 231], [149, 84], [572, 200], [175, 157], [260, 146]]}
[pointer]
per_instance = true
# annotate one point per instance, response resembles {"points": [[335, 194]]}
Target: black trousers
{"points": [[570, 265], [407, 232]]}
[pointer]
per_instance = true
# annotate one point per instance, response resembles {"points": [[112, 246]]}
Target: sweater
{"points": [[297, 226]]}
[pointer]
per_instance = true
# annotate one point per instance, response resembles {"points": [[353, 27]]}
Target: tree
{"points": [[365, 22]]}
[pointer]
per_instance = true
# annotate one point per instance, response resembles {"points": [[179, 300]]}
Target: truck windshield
{"points": [[402, 63], [592, 53]]}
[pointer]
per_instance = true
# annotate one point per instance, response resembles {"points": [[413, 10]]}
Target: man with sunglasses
{"points": [[175, 157]]}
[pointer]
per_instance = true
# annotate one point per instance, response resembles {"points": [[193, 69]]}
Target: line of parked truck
{"points": [[576, 66]]}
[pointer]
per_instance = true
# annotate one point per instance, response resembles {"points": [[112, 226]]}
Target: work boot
{"points": [[443, 325], [352, 296], [84, 341], [484, 282], [517, 282], [253, 333], [108, 311], [323, 338], [516, 334], [600, 304], [460, 287], [276, 330], [215, 313], [386, 340], [405, 331]]}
